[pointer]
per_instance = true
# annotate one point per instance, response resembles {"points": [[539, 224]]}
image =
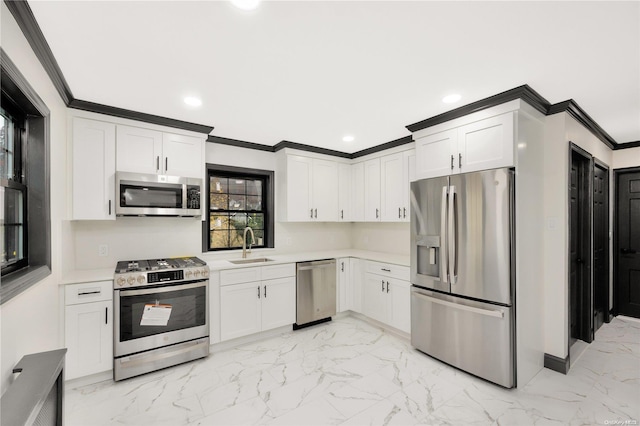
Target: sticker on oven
{"points": [[156, 314]]}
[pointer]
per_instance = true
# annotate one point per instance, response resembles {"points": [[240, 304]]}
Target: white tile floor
{"points": [[350, 372]]}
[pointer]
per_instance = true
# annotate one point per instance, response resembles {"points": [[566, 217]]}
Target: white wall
{"points": [[629, 157], [30, 320], [560, 130]]}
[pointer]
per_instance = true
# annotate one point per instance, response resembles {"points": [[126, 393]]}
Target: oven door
{"points": [[150, 318]]}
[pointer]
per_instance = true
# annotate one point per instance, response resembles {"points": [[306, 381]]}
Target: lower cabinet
{"points": [[247, 308], [385, 297], [88, 329]]}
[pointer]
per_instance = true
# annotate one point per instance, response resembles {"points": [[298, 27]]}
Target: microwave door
{"points": [[429, 261]]}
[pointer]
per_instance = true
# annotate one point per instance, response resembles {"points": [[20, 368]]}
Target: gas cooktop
{"points": [[127, 266], [136, 273]]}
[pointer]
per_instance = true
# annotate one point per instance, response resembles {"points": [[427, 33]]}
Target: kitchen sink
{"points": [[256, 260]]}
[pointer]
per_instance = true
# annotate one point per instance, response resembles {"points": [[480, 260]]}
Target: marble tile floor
{"points": [[353, 373]]}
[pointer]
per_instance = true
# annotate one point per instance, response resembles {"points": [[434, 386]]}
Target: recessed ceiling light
{"points": [[192, 101], [348, 138], [246, 4], [449, 99]]}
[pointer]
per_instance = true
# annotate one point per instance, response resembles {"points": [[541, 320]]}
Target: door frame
{"points": [[616, 249], [587, 317], [610, 245]]}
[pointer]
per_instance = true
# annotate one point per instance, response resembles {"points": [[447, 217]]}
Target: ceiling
{"points": [[312, 72]]}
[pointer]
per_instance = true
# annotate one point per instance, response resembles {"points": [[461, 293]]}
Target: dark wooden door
{"points": [[627, 285], [580, 305], [600, 245]]}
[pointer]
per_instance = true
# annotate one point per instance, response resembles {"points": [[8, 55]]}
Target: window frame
{"points": [[267, 202]]}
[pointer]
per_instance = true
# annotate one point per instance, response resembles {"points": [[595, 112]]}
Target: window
{"points": [[238, 198], [25, 222]]}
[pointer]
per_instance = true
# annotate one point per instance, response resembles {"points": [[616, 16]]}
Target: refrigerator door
{"points": [[429, 233], [479, 231], [473, 336]]}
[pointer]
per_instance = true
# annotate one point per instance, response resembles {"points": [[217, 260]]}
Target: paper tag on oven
{"points": [[156, 315]]}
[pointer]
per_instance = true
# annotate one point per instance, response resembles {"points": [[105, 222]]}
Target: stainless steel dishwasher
{"points": [[315, 292]]}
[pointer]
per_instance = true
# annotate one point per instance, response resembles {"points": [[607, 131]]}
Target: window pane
{"points": [[256, 221], [218, 184], [237, 202], [254, 202], [12, 238], [6, 147], [237, 186], [254, 187], [218, 221], [219, 239], [218, 201]]}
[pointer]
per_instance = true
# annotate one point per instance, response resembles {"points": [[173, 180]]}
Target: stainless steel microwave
{"points": [[157, 195]]}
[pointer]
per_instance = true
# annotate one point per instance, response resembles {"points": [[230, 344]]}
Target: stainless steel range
{"points": [[161, 314]]}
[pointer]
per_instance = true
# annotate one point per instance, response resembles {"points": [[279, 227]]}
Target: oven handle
{"points": [[155, 290]]}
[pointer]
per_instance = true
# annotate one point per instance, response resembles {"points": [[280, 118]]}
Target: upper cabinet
{"points": [[93, 170], [148, 151], [311, 190], [394, 194], [345, 192], [372, 190], [481, 145]]}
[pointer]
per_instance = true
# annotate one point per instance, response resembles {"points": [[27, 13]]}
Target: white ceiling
{"points": [[311, 72]]}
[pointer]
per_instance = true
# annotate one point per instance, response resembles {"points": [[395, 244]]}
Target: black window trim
{"points": [[268, 195], [38, 116]]}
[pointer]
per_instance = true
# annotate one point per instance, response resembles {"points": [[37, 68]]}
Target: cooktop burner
{"points": [[126, 266]]}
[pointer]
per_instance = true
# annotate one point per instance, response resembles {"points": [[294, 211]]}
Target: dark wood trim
{"points": [[138, 116], [561, 365], [309, 148], [626, 145], [523, 92], [239, 144], [23, 15], [574, 110], [604, 166], [22, 85], [395, 143]]}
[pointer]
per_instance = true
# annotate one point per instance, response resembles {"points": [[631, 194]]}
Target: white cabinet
{"points": [[93, 170], [148, 151], [357, 189], [356, 281], [88, 328], [386, 295], [344, 289], [312, 189], [344, 192], [395, 188], [250, 307], [481, 145], [372, 190]]}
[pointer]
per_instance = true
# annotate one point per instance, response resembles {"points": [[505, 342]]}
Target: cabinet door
{"points": [[392, 197], [182, 156], [486, 144], [138, 150], [343, 289], [344, 192], [240, 310], [357, 190], [324, 192], [278, 302], [408, 176], [89, 338], [299, 174], [356, 280], [94, 167], [399, 305], [374, 300], [372, 190], [435, 154]]}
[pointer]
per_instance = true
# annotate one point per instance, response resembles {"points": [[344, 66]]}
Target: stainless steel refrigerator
{"points": [[462, 272]]}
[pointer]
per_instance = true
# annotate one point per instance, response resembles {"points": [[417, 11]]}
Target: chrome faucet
{"points": [[244, 241]]}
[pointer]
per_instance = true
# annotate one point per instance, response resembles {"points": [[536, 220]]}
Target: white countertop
{"points": [[216, 263]]}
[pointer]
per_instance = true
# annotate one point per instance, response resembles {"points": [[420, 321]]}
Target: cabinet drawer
{"points": [[278, 271], [88, 292], [388, 270], [241, 275]]}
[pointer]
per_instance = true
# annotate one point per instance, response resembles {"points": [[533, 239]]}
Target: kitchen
{"points": [[75, 243]]}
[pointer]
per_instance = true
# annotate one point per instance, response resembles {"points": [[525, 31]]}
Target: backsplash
{"points": [[381, 236]]}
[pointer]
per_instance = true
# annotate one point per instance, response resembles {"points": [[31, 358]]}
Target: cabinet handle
{"points": [[157, 163], [399, 213], [342, 266], [404, 212], [265, 291], [341, 214], [258, 292], [109, 207], [383, 286], [460, 160], [166, 164], [386, 270], [387, 286], [376, 213], [316, 213], [106, 315], [451, 161], [311, 214], [86, 293]]}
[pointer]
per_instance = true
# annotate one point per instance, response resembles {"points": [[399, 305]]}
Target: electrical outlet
{"points": [[103, 250]]}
